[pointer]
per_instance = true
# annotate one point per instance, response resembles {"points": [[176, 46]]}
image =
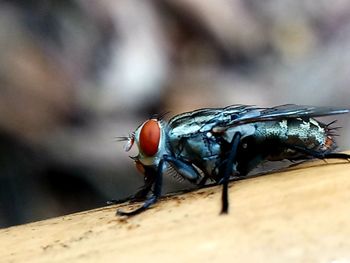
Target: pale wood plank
{"points": [[299, 215]]}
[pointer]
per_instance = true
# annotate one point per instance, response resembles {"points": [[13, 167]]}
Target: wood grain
{"points": [[298, 215]]}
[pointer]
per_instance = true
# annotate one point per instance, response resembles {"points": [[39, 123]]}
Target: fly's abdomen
{"points": [[305, 133]]}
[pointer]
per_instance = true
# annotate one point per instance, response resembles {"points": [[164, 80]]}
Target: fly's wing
{"points": [[203, 120], [292, 111], [280, 112], [220, 119]]}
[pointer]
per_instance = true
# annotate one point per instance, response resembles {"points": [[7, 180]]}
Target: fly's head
{"points": [[149, 138]]}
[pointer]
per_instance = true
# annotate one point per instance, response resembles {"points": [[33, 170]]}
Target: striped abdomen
{"points": [[307, 133]]}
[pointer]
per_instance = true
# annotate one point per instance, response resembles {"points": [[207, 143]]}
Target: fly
{"points": [[217, 143]]}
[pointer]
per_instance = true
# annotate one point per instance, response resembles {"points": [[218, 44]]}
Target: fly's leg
{"points": [[186, 170], [320, 155], [228, 171], [156, 192], [203, 181], [142, 192]]}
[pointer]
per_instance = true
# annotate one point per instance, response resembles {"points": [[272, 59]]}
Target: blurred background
{"points": [[75, 74]]}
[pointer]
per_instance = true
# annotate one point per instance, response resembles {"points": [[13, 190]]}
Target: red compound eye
{"points": [[149, 137]]}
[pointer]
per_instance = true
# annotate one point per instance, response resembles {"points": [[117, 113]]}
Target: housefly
{"points": [[217, 143]]}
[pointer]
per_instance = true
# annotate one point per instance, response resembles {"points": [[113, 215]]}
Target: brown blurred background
{"points": [[75, 74]]}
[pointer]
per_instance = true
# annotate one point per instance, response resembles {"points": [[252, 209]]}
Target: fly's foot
{"points": [[150, 201], [130, 199], [116, 202], [140, 196]]}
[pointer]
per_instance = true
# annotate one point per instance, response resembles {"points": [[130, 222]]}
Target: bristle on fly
{"points": [[129, 141], [121, 138], [332, 130]]}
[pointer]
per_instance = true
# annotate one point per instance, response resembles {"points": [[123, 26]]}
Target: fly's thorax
{"points": [[205, 148], [150, 138]]}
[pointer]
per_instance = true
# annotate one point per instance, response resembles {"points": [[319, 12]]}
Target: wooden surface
{"points": [[299, 215]]}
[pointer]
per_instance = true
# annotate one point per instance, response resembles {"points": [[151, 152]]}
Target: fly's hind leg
{"points": [[228, 171], [321, 155]]}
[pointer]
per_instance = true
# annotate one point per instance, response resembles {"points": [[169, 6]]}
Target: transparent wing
{"points": [[220, 119], [287, 111], [203, 120]]}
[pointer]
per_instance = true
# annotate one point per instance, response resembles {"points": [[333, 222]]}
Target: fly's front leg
{"points": [[143, 191], [185, 169], [141, 194], [228, 171], [158, 174]]}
